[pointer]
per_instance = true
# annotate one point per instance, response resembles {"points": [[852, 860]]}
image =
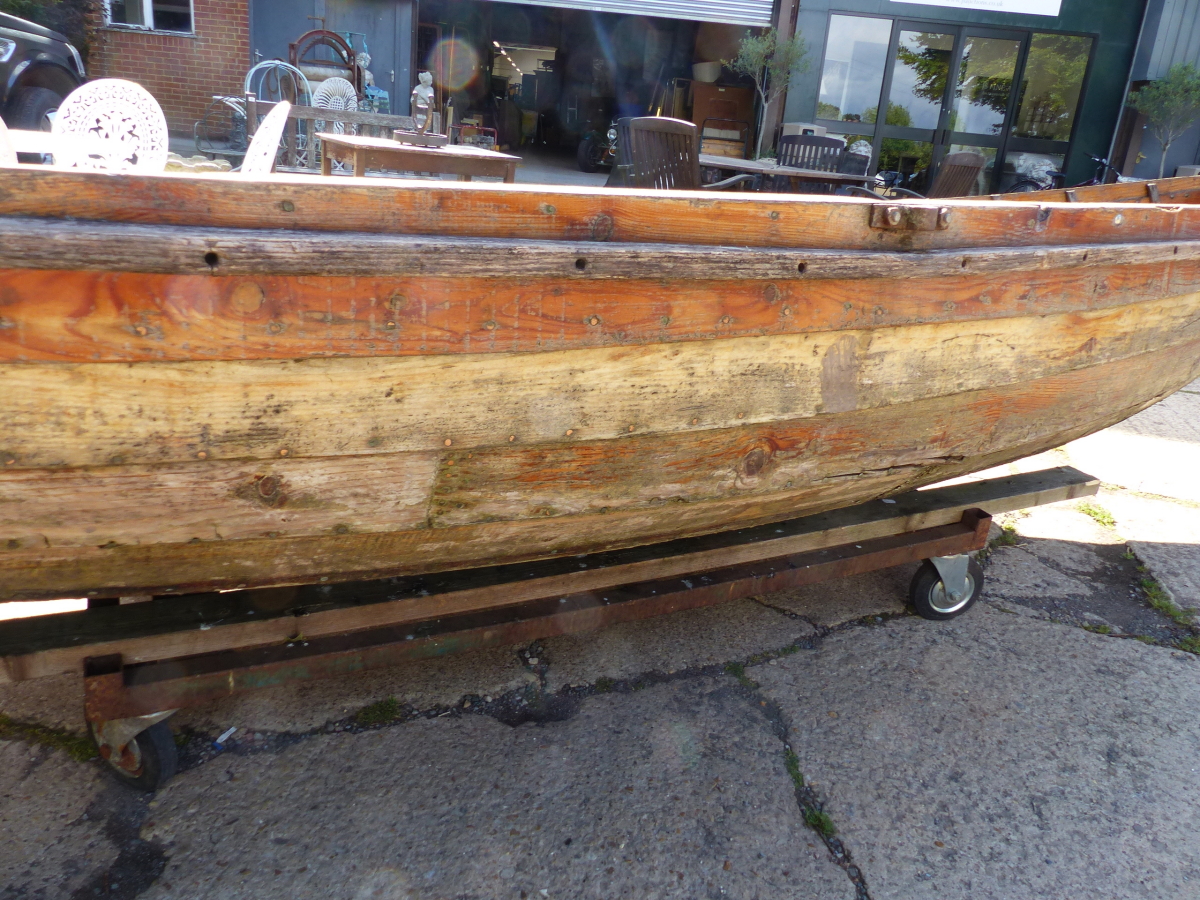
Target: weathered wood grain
{"points": [[222, 500], [79, 316], [1162, 190], [883, 451], [397, 206], [60, 414], [180, 250], [59, 645]]}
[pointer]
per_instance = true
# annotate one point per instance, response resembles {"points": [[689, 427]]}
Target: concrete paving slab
{"points": [[831, 603], [51, 702], [666, 644], [1165, 536], [1157, 451], [995, 756], [678, 790], [305, 705], [49, 846]]}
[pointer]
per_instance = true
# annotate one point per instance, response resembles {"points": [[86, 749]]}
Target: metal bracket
{"points": [[910, 217], [953, 570]]}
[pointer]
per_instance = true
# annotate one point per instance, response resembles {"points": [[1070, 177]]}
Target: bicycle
{"points": [[1058, 179]]}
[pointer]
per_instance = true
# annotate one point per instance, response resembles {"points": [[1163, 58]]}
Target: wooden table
{"points": [[382, 153], [759, 167]]}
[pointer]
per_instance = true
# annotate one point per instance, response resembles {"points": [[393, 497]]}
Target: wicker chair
{"points": [[958, 173], [665, 153]]}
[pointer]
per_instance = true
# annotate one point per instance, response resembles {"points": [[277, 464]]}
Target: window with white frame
{"points": [[158, 15]]}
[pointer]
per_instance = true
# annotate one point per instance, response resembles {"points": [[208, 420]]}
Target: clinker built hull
{"points": [[213, 383]]}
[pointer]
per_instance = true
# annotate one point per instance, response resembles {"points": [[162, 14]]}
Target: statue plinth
{"points": [[420, 138]]}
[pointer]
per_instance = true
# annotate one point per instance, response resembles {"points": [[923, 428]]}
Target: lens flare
{"points": [[454, 64]]}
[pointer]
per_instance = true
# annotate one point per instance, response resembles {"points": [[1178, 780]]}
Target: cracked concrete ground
{"points": [[814, 743]]}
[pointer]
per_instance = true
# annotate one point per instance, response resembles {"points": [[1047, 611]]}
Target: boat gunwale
{"points": [[563, 212]]}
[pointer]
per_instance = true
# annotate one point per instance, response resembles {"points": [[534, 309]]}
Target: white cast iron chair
{"points": [[8, 154], [264, 147], [122, 126]]}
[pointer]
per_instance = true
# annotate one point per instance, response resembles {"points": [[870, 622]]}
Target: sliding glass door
{"points": [[1007, 95]]}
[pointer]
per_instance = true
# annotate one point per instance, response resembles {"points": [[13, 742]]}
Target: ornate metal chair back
{"points": [[264, 146], [8, 156], [122, 126]]}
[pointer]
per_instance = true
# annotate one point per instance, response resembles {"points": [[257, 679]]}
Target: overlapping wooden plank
{"points": [[571, 213], [221, 500], [27, 242], [178, 627], [59, 414], [871, 454], [79, 316]]}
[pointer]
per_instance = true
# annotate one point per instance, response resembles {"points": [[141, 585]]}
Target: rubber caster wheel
{"points": [[929, 598], [148, 761]]}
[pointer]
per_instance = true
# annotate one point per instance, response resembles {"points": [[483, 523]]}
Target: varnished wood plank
{"points": [[882, 452], [59, 414], [221, 500], [35, 649], [398, 206], [80, 316]]}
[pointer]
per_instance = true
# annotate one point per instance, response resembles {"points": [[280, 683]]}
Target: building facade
{"points": [[182, 51], [1170, 35], [1032, 85]]}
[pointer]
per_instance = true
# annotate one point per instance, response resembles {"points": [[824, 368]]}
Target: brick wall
{"points": [[183, 72]]}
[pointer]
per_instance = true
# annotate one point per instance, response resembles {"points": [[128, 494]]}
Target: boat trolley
{"points": [[142, 661]]}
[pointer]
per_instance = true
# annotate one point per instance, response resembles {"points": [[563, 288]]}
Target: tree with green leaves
{"points": [[770, 62], [68, 17], [1170, 105]]}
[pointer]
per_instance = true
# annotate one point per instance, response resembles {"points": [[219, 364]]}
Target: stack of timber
{"points": [[213, 383]]}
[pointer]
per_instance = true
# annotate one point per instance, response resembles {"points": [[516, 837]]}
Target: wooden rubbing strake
{"points": [[99, 246]]}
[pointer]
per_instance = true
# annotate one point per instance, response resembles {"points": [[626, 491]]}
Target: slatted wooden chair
{"points": [[665, 153], [958, 174], [808, 151]]}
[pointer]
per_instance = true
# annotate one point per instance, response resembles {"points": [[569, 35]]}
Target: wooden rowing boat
{"points": [[218, 383]]}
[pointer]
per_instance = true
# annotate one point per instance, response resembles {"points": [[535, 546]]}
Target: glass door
{"points": [[951, 90], [916, 108], [1008, 95], [983, 98]]}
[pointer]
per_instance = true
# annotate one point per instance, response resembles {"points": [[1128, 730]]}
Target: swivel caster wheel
{"points": [[146, 759], [929, 595]]}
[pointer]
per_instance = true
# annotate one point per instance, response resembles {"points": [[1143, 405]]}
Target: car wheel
{"points": [[33, 108], [588, 155]]}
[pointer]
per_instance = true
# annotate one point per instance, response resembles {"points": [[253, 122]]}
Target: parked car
{"points": [[38, 68], [597, 149]]}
